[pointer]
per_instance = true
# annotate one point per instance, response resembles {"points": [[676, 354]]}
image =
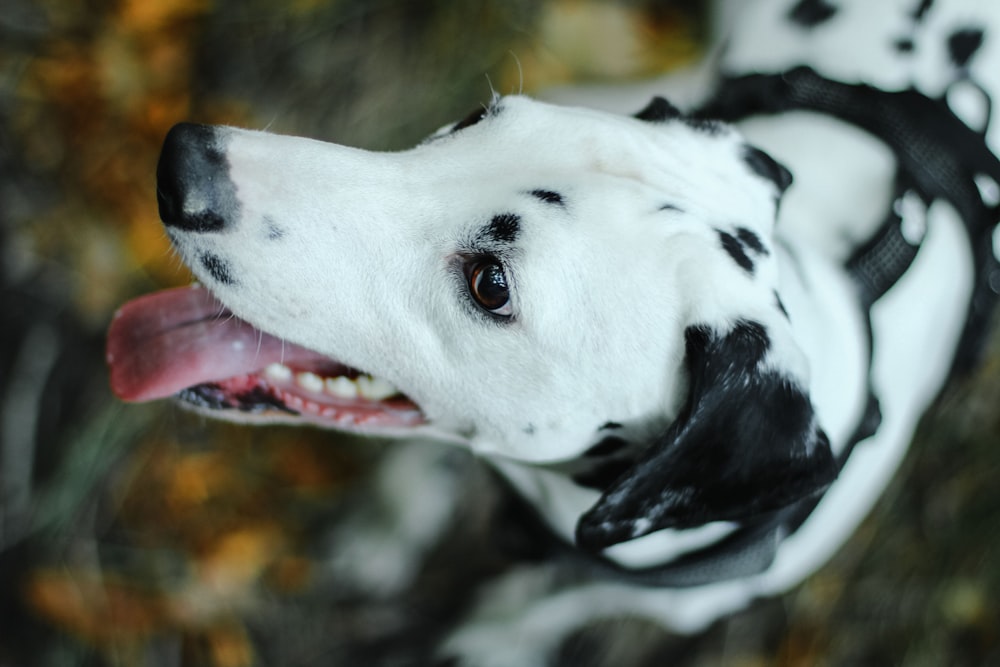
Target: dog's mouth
{"points": [[183, 343]]}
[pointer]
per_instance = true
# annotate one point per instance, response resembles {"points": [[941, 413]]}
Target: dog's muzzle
{"points": [[193, 187]]}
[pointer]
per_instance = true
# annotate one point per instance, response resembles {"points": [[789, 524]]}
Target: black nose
{"points": [[193, 186]]}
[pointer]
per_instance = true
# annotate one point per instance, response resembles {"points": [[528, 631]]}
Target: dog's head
{"points": [[522, 278]]}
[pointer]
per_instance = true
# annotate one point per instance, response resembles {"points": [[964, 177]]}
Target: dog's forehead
{"points": [[522, 144]]}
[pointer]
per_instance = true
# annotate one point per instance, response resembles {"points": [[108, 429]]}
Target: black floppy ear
{"points": [[746, 443]]}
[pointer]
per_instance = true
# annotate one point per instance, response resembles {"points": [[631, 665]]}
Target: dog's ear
{"points": [[746, 443]]}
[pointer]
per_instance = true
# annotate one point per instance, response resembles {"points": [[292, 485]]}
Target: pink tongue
{"points": [[167, 341]]}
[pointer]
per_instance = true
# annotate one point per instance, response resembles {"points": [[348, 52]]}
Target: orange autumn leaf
{"points": [[142, 15], [96, 608], [238, 557], [196, 478]]}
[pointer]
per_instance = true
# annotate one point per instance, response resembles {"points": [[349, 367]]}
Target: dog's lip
{"points": [[184, 342], [261, 397]]}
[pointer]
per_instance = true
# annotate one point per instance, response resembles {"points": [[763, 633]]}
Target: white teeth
{"points": [[364, 386], [310, 382], [278, 372], [375, 389], [341, 387]]}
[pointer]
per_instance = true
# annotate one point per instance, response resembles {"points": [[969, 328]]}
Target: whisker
{"points": [[520, 72], [494, 95]]}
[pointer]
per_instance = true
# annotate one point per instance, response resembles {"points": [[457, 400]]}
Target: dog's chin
{"points": [[182, 343]]}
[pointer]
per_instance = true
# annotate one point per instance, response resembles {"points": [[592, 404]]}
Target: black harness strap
{"points": [[939, 157], [879, 263]]}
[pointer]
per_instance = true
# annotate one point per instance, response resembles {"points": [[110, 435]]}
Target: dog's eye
{"points": [[488, 286]]}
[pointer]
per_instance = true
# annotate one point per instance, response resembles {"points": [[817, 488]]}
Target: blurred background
{"points": [[142, 535]]}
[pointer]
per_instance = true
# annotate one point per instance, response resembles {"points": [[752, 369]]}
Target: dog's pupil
{"points": [[490, 286]]}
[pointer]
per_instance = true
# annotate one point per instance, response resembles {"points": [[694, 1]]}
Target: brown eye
{"points": [[488, 286]]}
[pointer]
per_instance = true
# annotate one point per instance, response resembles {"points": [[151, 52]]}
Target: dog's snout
{"points": [[193, 186]]}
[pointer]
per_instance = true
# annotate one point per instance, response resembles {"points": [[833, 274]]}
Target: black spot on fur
{"points": [[921, 10], [218, 268], [549, 197], [671, 207], [767, 167], [608, 426], [780, 305], [607, 447], [904, 45], [529, 429], [735, 250], [742, 245], [658, 110], [811, 13], [963, 44], [503, 228], [751, 240]]}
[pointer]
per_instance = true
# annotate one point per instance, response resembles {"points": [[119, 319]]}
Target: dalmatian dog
{"points": [[694, 340]]}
